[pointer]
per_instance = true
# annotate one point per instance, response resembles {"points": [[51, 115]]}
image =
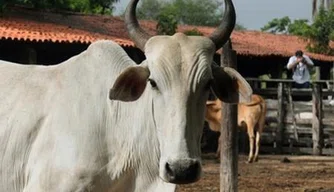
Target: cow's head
{"points": [[178, 73]]}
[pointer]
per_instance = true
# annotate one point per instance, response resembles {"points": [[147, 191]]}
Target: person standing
{"points": [[300, 65]]}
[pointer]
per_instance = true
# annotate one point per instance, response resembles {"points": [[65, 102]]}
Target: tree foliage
{"points": [[239, 27], [277, 25], [318, 34], [191, 12], [299, 27], [322, 31], [149, 9], [193, 32], [199, 12], [167, 24], [84, 6]]}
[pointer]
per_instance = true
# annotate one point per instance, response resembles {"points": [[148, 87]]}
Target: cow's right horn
{"points": [[224, 30], [136, 33]]}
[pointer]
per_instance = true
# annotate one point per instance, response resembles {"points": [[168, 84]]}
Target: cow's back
{"points": [[44, 108], [24, 94], [253, 112], [31, 99]]}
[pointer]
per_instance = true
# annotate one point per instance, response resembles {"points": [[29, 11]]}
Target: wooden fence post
{"points": [[229, 133], [280, 118], [317, 73], [317, 128]]}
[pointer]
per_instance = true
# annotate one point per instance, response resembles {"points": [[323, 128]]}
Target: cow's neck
{"points": [[130, 143], [133, 144]]}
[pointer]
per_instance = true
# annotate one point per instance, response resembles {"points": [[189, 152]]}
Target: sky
{"points": [[254, 14]]}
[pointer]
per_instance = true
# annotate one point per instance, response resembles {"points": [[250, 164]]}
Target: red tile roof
{"points": [[24, 24], [258, 43], [36, 26]]}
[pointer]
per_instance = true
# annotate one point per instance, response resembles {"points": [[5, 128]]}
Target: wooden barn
{"points": [[28, 36]]}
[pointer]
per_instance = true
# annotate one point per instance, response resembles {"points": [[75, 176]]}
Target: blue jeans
{"points": [[303, 85]]}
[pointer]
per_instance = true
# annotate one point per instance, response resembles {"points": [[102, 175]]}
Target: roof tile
{"points": [[24, 24]]}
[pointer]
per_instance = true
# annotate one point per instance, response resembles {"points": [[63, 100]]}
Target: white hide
{"points": [[59, 132]]}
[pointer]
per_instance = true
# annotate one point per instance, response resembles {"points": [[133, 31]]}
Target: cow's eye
{"points": [[153, 83]]}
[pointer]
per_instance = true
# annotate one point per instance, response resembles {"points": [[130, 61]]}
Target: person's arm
{"points": [[307, 61], [292, 63]]}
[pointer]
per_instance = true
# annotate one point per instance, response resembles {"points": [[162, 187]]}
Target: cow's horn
{"points": [[224, 30], [137, 34]]}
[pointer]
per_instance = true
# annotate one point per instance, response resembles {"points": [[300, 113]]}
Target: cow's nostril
{"points": [[169, 171], [182, 171]]}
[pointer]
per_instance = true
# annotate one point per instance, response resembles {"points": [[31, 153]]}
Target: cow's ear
{"points": [[130, 84], [229, 86]]}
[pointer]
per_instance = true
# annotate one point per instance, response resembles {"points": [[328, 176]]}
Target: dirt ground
{"points": [[271, 174]]}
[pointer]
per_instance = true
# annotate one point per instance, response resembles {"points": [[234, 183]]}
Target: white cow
{"points": [[92, 123]]}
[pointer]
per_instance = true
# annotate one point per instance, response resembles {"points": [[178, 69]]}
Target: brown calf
{"points": [[250, 116]]}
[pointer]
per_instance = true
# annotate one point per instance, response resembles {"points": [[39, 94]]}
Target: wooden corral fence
{"points": [[303, 125]]}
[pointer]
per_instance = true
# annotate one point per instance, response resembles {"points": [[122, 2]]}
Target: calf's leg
{"points": [[250, 131], [257, 147]]}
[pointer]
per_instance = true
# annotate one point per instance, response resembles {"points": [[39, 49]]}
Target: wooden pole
{"points": [[333, 73], [317, 73], [293, 113], [280, 118], [317, 129], [331, 84], [229, 133]]}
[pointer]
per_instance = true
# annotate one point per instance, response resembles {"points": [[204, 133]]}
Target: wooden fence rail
{"points": [[297, 126]]}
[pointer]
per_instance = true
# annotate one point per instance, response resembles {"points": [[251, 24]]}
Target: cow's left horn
{"points": [[224, 30], [137, 34]]}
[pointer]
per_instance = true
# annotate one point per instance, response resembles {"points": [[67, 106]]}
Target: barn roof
{"points": [[29, 25]]}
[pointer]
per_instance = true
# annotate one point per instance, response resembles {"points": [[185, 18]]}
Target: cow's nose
{"points": [[183, 171]]}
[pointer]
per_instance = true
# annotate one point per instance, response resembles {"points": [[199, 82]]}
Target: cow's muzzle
{"points": [[182, 171]]}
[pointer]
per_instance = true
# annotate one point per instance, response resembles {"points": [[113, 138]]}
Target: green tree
{"points": [[198, 12], [102, 6], [286, 26], [85, 6], [191, 12], [277, 25], [299, 27], [239, 27], [322, 31], [167, 24], [149, 9], [319, 33], [193, 32]]}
